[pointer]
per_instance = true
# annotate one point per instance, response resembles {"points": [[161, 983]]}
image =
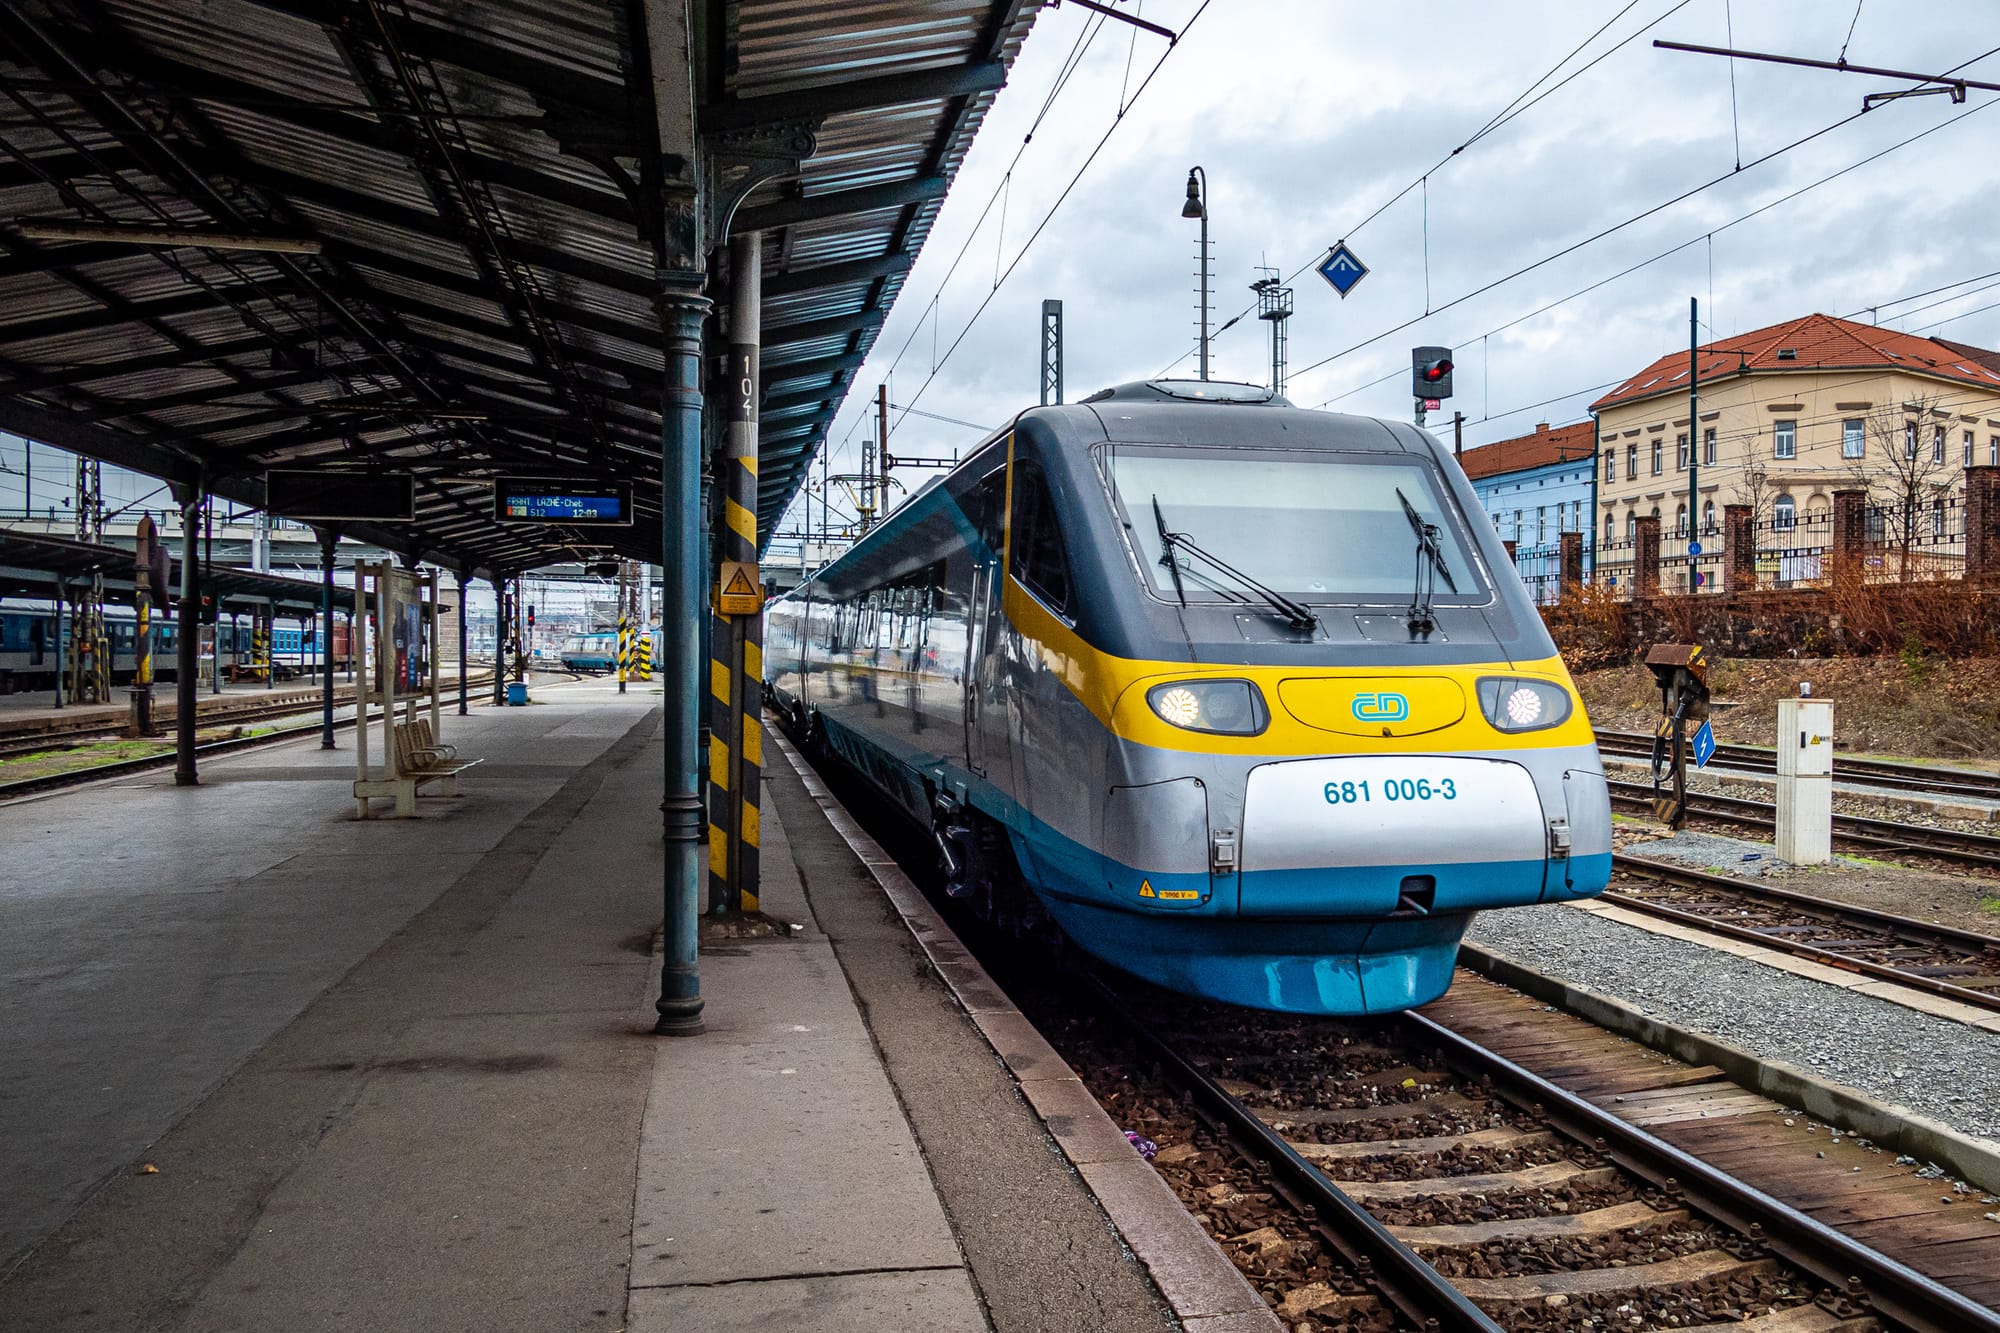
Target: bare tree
{"points": [[1906, 465]]}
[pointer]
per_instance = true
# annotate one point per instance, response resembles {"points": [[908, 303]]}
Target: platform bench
{"points": [[422, 763]]}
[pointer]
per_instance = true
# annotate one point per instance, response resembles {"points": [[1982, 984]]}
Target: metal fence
{"points": [[1923, 542]]}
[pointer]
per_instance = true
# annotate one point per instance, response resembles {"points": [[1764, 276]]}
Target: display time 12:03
{"points": [[1366, 792]]}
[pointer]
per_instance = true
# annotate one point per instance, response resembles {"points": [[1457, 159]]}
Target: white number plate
{"points": [[1390, 810]]}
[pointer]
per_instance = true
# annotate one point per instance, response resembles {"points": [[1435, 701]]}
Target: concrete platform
{"points": [[269, 1067]]}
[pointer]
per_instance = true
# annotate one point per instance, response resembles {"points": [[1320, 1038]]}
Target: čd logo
{"points": [[1381, 707]]}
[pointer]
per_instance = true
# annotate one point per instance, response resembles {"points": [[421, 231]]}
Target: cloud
{"points": [[1308, 117]]}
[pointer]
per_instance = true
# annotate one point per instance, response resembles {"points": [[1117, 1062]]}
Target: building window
{"points": [[1708, 516], [1853, 438], [1576, 515], [1656, 457], [1909, 439], [1708, 447], [1937, 444], [1517, 525], [1610, 532], [1632, 526], [1680, 520], [1681, 458], [1631, 462], [1541, 524], [1968, 449], [1993, 451], [1784, 514], [1611, 465], [1784, 439], [1937, 518]]}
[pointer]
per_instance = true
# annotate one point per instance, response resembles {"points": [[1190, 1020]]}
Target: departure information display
{"points": [[542, 500]]}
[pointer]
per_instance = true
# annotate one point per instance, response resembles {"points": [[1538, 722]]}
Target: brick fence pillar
{"points": [[1982, 522], [1850, 530], [1571, 572], [1646, 557], [1739, 548]]}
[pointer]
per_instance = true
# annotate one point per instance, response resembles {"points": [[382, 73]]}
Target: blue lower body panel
{"points": [[1330, 965]]}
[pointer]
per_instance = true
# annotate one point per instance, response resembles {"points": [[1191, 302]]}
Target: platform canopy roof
{"points": [[426, 236]]}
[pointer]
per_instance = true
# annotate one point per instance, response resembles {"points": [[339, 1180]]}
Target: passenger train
{"points": [[597, 651], [1248, 699], [28, 644]]}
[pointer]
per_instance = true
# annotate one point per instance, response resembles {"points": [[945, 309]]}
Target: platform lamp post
{"points": [[1197, 207]]}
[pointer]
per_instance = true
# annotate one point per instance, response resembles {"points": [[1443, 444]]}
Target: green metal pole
{"points": [[682, 308]]}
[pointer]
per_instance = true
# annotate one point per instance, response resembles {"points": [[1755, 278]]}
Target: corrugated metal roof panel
{"points": [[262, 116]]}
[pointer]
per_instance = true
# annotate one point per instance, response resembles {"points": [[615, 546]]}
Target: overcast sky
{"points": [[1309, 116]]}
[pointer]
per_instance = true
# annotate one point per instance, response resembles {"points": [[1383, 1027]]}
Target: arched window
{"points": [[1680, 520], [1610, 528], [1784, 513], [1632, 526], [1708, 516]]}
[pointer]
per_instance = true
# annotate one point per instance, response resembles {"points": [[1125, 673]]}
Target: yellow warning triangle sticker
{"points": [[739, 585], [1146, 889]]}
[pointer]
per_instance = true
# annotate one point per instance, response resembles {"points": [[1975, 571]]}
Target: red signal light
{"points": [[1436, 371]]}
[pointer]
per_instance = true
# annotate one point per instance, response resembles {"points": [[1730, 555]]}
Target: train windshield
{"points": [[1319, 527]]}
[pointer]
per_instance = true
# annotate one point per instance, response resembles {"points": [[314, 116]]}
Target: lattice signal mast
{"points": [[1274, 303]]}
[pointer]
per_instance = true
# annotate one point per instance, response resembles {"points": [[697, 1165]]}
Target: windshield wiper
{"points": [[1430, 562], [1167, 551], [1295, 614]]}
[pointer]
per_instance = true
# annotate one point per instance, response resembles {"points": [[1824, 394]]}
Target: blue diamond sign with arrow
{"points": [[1342, 270]]}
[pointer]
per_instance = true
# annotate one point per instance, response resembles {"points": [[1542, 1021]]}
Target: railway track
{"points": [[1979, 850], [1924, 778], [1466, 1190], [1392, 1174], [1941, 960], [86, 732], [118, 768]]}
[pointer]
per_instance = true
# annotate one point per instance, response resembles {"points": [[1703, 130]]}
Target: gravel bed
{"points": [[1937, 1067]]}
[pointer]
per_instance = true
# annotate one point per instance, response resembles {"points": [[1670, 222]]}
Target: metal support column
{"points": [[682, 308], [215, 612], [464, 648], [190, 499], [736, 671], [328, 539], [149, 587], [502, 629]]}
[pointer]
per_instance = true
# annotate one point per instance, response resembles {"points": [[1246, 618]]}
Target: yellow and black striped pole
{"points": [[642, 653], [624, 644], [736, 669]]}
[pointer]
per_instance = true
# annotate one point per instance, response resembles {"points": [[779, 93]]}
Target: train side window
{"points": [[992, 506], [1036, 555]]}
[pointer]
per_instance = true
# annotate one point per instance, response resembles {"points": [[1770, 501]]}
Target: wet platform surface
{"points": [[267, 1066]]}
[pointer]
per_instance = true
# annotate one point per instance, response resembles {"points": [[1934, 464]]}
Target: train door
{"points": [[982, 677]]}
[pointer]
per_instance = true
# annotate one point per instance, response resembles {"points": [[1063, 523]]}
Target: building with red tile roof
{"points": [[1788, 415]]}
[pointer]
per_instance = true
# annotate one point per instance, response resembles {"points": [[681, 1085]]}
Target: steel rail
{"points": [[1974, 849], [1897, 1292], [1898, 927], [1402, 1276], [1866, 772]]}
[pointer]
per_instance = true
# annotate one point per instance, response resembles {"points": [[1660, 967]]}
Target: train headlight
{"points": [[1519, 704], [1225, 707]]}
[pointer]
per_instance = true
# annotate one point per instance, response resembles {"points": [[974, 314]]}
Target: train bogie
{"points": [[1258, 708]]}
